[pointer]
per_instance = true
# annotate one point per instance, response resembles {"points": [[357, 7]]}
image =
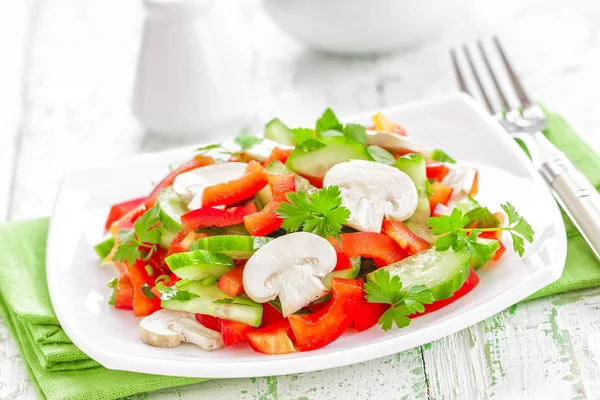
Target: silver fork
{"points": [[579, 198]]}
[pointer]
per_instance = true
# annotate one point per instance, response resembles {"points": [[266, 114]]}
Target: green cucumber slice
{"points": [[439, 155], [316, 162], [350, 273], [238, 230], [166, 237], [208, 303], [171, 208], [467, 204], [442, 272], [104, 248], [236, 247], [199, 264], [279, 132], [414, 166]]}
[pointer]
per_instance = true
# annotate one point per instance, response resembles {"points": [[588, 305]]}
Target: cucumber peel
{"points": [[236, 247], [199, 264], [171, 208], [277, 131]]}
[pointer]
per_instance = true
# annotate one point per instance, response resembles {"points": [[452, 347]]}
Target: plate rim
{"points": [[368, 351]]}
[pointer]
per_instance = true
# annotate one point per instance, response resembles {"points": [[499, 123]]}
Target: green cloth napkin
{"points": [[61, 371], [57, 368]]}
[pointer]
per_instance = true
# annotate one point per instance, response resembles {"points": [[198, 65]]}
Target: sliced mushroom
{"points": [[262, 150], [190, 185], [461, 179], [393, 141], [289, 267], [168, 328], [372, 191]]}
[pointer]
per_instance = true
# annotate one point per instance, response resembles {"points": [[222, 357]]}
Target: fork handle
{"points": [[579, 198]]}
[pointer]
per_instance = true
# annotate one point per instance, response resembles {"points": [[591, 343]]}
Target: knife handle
{"points": [[579, 198]]}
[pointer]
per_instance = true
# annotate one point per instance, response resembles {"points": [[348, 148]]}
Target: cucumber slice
{"points": [[238, 230], [439, 155], [350, 273], [171, 208], [104, 248], [318, 161], [199, 264], [442, 272], [467, 204], [414, 166], [492, 244], [279, 132], [236, 247], [208, 302], [264, 196], [166, 237]]}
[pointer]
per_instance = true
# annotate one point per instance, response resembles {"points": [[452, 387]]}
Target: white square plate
{"points": [[454, 123]]}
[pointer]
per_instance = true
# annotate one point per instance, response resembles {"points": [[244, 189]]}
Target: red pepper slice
{"points": [[436, 170], [124, 294], [368, 315], [381, 248], [274, 338], [343, 261], [440, 194], [313, 331], [475, 187], [210, 322], [469, 285], [126, 221], [266, 220], [231, 282], [255, 178], [234, 332], [142, 305], [408, 241], [441, 209], [277, 154], [208, 216], [499, 252], [196, 162], [270, 315], [120, 209], [181, 242]]}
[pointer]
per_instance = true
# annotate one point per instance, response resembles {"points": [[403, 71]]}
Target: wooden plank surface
{"points": [[81, 64]]}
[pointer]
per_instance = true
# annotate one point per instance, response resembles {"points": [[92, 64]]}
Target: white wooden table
{"points": [[74, 61]]}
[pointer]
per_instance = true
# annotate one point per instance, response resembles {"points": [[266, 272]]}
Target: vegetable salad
{"points": [[286, 241]]}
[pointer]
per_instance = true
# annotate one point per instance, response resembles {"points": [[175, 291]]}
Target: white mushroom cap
{"points": [[372, 191], [461, 180], [262, 150], [289, 266], [190, 185], [168, 328], [394, 141]]}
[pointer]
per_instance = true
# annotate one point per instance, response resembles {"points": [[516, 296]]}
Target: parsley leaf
{"points": [[302, 134], [145, 235], [247, 140], [320, 213], [310, 145], [356, 132], [173, 293], [482, 217], [381, 155], [207, 148], [387, 289], [328, 121]]}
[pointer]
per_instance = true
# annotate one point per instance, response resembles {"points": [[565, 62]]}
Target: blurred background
{"points": [[68, 69]]}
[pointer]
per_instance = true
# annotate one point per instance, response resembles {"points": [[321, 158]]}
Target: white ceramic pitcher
{"points": [[195, 68]]}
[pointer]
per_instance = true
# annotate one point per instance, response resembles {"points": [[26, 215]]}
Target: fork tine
{"points": [[523, 98], [493, 75], [479, 84], [459, 77]]}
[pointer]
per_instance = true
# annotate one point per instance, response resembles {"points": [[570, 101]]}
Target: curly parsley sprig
{"points": [[461, 231], [321, 212], [145, 235], [387, 289]]}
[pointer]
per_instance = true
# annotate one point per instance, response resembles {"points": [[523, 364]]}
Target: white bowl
{"points": [[362, 26]]}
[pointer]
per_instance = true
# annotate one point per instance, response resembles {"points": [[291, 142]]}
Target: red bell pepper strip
{"points": [[368, 314], [469, 285], [142, 305], [120, 209], [313, 331], [234, 332], [126, 221], [499, 252], [408, 241], [231, 282], [381, 248], [196, 162], [475, 187], [315, 181], [343, 261], [270, 315], [441, 209], [436, 170], [254, 179], [124, 294], [266, 220], [440, 194], [277, 154], [181, 242], [274, 338], [208, 216], [210, 322]]}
